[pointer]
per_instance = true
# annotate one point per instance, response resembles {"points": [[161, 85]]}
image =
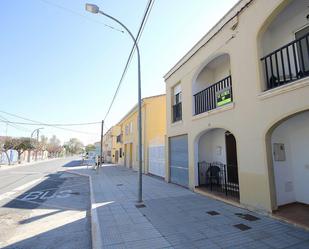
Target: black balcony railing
{"points": [[177, 112], [218, 177], [288, 63], [207, 99]]}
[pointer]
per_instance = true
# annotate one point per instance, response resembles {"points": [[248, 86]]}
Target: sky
{"points": [[61, 64]]}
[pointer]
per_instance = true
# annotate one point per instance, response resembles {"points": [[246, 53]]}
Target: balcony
{"points": [[177, 112], [214, 96], [287, 63]]}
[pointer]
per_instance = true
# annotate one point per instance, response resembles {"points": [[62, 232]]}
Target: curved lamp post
{"points": [[37, 139], [95, 10]]}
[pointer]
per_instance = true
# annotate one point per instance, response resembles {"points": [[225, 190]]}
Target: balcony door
{"points": [[303, 49]]}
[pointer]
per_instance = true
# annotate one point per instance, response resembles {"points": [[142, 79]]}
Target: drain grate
{"points": [[120, 184], [242, 227], [213, 213], [248, 217], [75, 193], [140, 205]]}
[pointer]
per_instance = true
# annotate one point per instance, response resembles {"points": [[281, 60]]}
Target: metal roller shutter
{"points": [[179, 173]]}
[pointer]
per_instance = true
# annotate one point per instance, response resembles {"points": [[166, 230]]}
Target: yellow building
{"points": [[110, 145], [153, 136], [238, 107]]}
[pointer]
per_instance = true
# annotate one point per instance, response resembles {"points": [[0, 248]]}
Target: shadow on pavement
{"points": [[51, 214], [73, 163], [58, 238]]}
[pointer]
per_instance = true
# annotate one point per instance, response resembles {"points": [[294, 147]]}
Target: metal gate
{"points": [[157, 160], [178, 149], [218, 177]]}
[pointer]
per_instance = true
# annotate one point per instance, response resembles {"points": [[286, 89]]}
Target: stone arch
{"points": [[274, 135]]}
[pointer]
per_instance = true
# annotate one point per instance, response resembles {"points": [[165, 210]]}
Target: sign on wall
{"points": [[224, 97]]}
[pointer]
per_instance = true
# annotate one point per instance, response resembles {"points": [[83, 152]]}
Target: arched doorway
{"points": [[289, 140], [217, 166]]}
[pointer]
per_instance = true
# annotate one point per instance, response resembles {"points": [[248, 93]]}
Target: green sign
{"points": [[224, 97]]}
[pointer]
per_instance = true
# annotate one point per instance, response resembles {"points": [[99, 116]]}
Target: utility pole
{"points": [[101, 150]]}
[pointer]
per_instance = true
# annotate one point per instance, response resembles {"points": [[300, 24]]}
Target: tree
{"points": [[89, 147], [5, 145], [21, 145], [54, 147], [74, 146]]}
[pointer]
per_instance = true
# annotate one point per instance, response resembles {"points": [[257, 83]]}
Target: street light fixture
{"points": [[37, 139], [92, 8]]}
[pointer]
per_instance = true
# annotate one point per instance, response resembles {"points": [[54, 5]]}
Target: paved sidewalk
{"points": [[175, 217]]}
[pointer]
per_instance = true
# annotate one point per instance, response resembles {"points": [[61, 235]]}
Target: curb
{"points": [[95, 224]]}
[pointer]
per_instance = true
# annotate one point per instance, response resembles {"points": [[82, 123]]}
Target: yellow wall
{"points": [[153, 129]]}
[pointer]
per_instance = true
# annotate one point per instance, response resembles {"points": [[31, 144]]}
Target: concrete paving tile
{"points": [[281, 241], [150, 243], [177, 217]]}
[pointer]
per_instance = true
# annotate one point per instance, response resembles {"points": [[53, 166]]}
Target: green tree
{"points": [[74, 146], [89, 147]]}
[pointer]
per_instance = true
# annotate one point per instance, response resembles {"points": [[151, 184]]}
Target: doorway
{"points": [[116, 156], [231, 158]]}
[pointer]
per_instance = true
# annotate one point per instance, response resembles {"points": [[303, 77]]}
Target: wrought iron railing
{"points": [[206, 99], [177, 112], [288, 63], [218, 177]]}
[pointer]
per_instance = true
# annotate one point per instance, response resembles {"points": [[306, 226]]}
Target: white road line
{"points": [[20, 188]]}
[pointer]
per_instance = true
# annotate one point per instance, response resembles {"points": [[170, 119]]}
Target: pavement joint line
{"points": [[95, 224]]}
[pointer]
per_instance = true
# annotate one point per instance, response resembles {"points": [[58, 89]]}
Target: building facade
{"points": [[153, 136], [237, 107]]}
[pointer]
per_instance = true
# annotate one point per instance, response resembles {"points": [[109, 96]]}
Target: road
{"points": [[42, 206]]}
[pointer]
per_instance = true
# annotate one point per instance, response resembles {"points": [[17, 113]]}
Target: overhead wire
{"points": [[79, 14], [4, 120], [60, 125], [138, 36], [42, 123]]}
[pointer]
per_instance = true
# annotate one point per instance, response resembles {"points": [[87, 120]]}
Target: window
{"points": [[119, 138], [131, 127], [127, 129], [177, 106]]}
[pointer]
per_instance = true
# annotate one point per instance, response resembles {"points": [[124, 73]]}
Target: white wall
{"points": [[294, 171], [156, 159], [216, 70], [282, 30], [212, 146]]}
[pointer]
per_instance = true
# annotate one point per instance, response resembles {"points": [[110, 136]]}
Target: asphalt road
{"points": [[42, 206]]}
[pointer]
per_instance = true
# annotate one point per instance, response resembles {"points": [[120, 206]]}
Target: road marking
{"points": [[18, 189], [46, 195]]}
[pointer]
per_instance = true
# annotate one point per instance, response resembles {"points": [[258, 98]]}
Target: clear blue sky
{"points": [[61, 64]]}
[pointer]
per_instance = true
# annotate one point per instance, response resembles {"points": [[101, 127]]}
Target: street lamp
{"points": [[37, 139], [95, 10]]}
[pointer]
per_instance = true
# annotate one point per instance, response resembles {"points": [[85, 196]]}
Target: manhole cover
{"points": [[248, 217], [242, 227], [140, 205], [213, 213]]}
